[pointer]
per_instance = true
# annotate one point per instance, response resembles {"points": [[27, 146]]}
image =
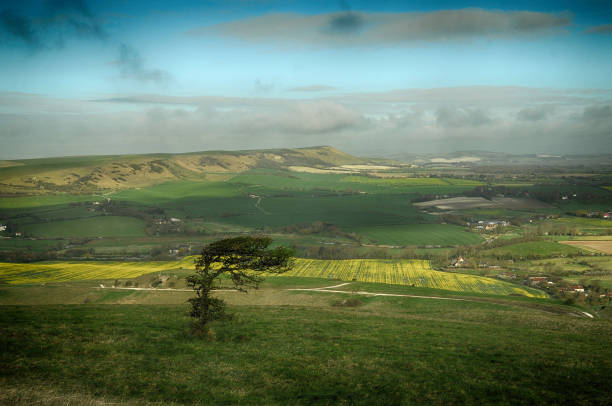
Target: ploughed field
{"points": [[414, 273], [603, 246]]}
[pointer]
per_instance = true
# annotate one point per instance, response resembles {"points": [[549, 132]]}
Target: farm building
{"points": [[458, 262], [537, 280]]}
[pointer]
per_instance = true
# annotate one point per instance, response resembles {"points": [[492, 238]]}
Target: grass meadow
{"points": [[299, 348], [421, 234], [101, 226]]}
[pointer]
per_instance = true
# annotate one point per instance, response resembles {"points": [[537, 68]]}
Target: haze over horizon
{"points": [[111, 77]]}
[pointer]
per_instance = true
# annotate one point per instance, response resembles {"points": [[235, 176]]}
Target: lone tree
{"points": [[243, 260]]}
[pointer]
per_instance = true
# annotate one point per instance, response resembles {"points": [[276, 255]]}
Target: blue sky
{"points": [[74, 61]]}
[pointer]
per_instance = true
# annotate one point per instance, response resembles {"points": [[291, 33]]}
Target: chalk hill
{"points": [[85, 174]]}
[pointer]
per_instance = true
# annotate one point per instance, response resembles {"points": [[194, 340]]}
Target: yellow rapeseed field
{"points": [[70, 271], [398, 272], [404, 272]]}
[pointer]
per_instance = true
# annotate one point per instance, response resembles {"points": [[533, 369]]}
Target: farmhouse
{"points": [[573, 289], [537, 280], [458, 262]]}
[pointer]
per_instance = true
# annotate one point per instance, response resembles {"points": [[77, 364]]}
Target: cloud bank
{"points": [[412, 120], [361, 28]]}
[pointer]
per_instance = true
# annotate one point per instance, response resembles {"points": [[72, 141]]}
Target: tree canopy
{"points": [[242, 260]]}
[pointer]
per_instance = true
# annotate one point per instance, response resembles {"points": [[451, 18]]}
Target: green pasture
{"points": [[42, 165], [303, 348], [18, 244], [267, 181], [348, 211], [420, 234], [28, 202], [102, 226], [176, 190]]}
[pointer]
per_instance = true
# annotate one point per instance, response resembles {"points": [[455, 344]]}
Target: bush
{"points": [[353, 302]]}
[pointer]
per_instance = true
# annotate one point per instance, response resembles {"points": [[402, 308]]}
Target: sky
{"points": [[85, 77]]}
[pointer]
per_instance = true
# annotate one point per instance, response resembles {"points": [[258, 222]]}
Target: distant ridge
{"points": [[85, 174]]}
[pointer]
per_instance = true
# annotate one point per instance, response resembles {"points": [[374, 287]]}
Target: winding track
{"points": [[330, 289]]}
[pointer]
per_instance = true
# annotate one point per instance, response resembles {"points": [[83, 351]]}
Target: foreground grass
{"points": [[385, 351]]}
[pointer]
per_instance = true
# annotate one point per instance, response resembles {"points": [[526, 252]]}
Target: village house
{"points": [[490, 224], [458, 262], [537, 280], [506, 275], [573, 289]]}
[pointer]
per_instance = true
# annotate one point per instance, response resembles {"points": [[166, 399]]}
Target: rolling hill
{"points": [[98, 173]]}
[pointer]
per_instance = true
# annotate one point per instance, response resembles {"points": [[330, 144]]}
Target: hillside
{"points": [[99, 173]]}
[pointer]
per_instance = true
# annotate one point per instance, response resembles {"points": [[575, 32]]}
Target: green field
{"points": [[43, 201], [102, 226], [420, 234], [304, 348]]}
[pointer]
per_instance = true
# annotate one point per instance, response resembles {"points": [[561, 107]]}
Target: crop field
{"points": [[415, 273], [420, 235], [406, 181], [75, 271], [603, 246], [463, 203], [533, 249]]}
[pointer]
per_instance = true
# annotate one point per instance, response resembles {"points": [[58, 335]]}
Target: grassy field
{"points": [[26, 202], [304, 348], [420, 234], [102, 226], [12, 244]]}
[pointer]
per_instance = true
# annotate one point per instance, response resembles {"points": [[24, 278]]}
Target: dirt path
{"points": [[258, 206], [328, 289], [162, 289]]}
